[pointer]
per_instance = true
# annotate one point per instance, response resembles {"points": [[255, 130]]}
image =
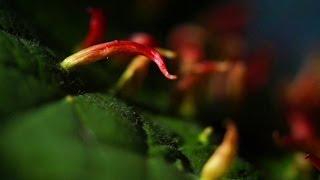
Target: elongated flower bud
{"points": [[104, 50], [222, 159], [97, 28]]}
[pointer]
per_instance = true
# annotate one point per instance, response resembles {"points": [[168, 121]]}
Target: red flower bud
{"points": [[104, 50], [97, 28]]}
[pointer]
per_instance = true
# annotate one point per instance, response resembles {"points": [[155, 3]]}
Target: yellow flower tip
{"points": [[222, 159], [66, 65], [167, 53], [138, 64], [70, 62], [69, 99], [204, 135], [81, 57]]}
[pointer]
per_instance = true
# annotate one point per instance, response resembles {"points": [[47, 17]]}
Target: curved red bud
{"points": [[104, 50], [97, 27]]}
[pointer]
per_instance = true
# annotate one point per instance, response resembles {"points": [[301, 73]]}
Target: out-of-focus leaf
{"points": [[26, 56], [178, 141], [84, 137], [20, 91], [158, 170], [242, 170], [182, 143], [287, 167], [29, 74]]}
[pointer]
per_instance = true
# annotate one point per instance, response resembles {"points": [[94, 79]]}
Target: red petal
{"points": [[104, 50], [302, 128], [97, 28]]}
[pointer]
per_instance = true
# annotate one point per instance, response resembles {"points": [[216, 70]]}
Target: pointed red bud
{"points": [[97, 28], [104, 50]]}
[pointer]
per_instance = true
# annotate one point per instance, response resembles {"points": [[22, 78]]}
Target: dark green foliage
{"points": [[25, 92], [29, 74], [90, 136], [287, 167], [242, 170], [184, 141]]}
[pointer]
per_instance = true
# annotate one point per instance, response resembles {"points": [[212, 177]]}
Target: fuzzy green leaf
{"points": [[89, 136], [29, 74], [181, 144]]}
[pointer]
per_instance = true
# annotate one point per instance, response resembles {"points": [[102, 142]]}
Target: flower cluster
{"points": [[232, 73]]}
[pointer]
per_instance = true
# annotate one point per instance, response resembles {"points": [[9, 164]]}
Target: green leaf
{"points": [[29, 74], [89, 136], [20, 91], [242, 170], [288, 166], [178, 140]]}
